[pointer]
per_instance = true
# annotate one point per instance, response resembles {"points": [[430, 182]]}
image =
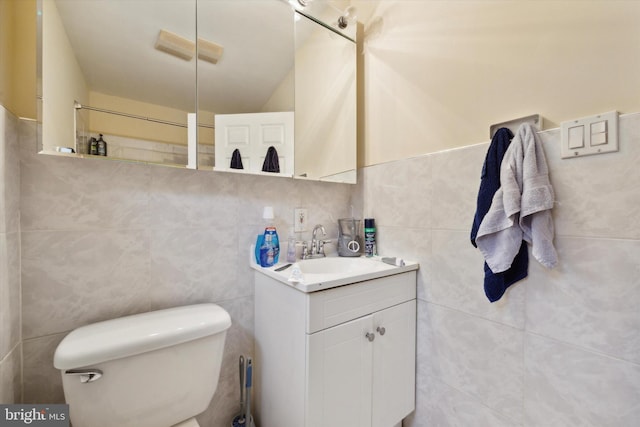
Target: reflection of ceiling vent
{"points": [[175, 45], [209, 51]]}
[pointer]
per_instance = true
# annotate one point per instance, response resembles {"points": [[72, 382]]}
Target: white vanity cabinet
{"points": [[342, 357]]}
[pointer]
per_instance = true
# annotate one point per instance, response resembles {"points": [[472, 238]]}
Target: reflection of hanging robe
{"points": [[236, 160], [271, 163]]}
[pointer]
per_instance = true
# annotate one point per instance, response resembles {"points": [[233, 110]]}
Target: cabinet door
{"points": [[394, 364], [339, 375]]}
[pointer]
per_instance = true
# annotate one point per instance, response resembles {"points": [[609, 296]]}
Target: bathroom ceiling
{"points": [[114, 41]]}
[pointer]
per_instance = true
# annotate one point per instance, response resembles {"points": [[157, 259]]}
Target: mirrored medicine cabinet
{"points": [[201, 84]]}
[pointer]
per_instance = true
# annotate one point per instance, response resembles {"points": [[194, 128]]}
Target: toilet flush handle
{"points": [[86, 375]]}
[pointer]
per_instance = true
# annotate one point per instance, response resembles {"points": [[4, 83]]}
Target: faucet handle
{"points": [[305, 248], [321, 244]]}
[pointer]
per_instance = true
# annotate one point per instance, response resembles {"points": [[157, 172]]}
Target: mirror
{"points": [[247, 94], [130, 73], [325, 99], [102, 75]]}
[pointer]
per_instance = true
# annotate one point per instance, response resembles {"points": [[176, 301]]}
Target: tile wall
{"points": [[562, 347], [10, 339], [102, 239]]}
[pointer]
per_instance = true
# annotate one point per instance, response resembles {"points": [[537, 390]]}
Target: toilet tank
{"points": [[158, 368]]}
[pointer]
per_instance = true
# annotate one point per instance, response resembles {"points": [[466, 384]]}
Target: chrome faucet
{"points": [[317, 246]]}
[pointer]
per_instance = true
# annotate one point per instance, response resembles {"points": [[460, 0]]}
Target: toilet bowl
{"points": [[156, 369]]}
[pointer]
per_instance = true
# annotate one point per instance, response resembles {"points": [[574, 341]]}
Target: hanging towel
{"points": [[271, 163], [490, 177], [495, 284], [236, 160], [521, 208]]}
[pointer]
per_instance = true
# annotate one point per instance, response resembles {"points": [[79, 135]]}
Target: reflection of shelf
{"points": [[247, 172], [112, 158], [146, 151]]}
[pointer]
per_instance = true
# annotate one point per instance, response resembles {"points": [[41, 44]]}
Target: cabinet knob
{"points": [[370, 336], [381, 330]]}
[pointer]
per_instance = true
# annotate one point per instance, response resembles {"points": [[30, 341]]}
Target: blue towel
{"points": [[495, 284]]}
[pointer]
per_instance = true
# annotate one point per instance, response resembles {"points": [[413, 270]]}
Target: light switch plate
{"points": [[576, 137], [300, 220], [589, 135]]}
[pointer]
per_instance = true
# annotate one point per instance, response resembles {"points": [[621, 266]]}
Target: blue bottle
{"points": [[270, 249], [259, 243]]}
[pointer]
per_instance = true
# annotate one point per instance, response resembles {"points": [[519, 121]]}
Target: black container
{"points": [[92, 146], [102, 146], [370, 237]]}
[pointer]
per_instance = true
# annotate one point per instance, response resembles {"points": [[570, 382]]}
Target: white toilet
{"points": [[156, 369]]}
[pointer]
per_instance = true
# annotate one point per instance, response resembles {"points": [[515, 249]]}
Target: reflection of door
{"points": [[253, 134]]}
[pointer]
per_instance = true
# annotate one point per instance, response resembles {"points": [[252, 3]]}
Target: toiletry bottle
{"points": [[259, 243], [291, 247], [92, 146], [276, 245], [102, 146], [266, 251], [270, 248], [370, 237]]}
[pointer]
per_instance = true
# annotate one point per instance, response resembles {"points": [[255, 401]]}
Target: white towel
{"points": [[521, 208]]}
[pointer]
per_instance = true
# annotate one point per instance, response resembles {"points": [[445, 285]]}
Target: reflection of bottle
{"points": [[102, 146], [370, 237], [92, 146]]}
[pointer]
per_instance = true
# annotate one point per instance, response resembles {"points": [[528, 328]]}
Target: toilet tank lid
{"points": [[139, 333]]}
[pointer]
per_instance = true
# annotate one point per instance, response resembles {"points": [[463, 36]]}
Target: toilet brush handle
{"points": [[241, 366], [249, 378]]}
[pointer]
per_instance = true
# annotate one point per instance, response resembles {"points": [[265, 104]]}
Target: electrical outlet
{"points": [[300, 220]]}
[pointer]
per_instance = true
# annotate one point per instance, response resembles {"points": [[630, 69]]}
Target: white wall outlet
{"points": [[300, 220]]}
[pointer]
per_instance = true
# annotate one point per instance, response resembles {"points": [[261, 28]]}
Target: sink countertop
{"points": [[356, 269]]}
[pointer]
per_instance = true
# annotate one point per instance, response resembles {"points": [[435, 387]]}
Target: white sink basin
{"points": [[338, 265], [329, 272]]}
